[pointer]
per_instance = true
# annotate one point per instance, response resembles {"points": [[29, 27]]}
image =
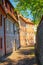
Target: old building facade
{"points": [[26, 31], [15, 30], [9, 28], [2, 31], [30, 33], [22, 30]]}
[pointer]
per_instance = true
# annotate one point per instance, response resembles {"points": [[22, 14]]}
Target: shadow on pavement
{"points": [[8, 62], [27, 61], [24, 61], [26, 52], [4, 58]]}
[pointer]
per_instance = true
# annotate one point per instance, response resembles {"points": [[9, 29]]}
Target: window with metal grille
{"points": [[0, 20], [0, 43]]}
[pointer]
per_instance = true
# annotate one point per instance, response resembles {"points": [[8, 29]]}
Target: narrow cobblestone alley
{"points": [[23, 56]]}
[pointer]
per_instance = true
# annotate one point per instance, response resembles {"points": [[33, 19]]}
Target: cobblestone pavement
{"points": [[23, 56]]}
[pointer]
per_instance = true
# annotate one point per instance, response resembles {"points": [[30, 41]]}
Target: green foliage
{"points": [[35, 6]]}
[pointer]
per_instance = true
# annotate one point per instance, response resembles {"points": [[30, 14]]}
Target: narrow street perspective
{"points": [[23, 56], [21, 32]]}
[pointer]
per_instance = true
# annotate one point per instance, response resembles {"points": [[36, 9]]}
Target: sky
{"points": [[14, 4]]}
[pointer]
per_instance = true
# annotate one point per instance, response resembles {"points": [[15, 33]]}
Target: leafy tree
{"points": [[35, 6]]}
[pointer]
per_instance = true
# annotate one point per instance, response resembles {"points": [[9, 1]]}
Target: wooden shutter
{"points": [[0, 43], [0, 20]]}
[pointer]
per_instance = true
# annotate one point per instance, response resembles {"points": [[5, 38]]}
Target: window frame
{"points": [[11, 27], [7, 26]]}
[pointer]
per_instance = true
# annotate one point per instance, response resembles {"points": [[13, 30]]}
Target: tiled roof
{"points": [[5, 11], [26, 20], [12, 15]]}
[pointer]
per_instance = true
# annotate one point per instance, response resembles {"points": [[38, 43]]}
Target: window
{"points": [[22, 23], [0, 43], [7, 23], [32, 27], [11, 26], [14, 28], [0, 20], [27, 26]]}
